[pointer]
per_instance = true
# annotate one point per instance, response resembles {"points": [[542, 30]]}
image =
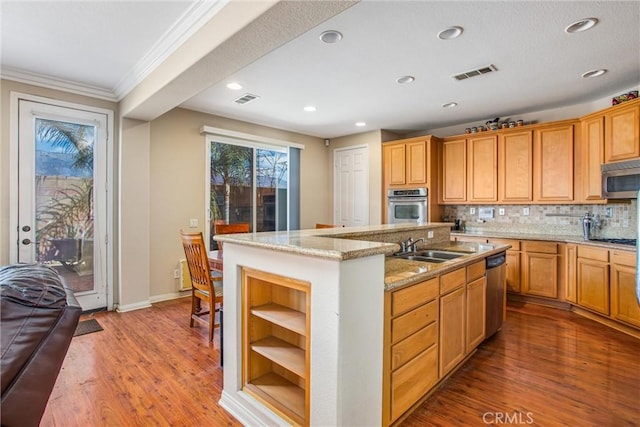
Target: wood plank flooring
{"points": [[546, 367]]}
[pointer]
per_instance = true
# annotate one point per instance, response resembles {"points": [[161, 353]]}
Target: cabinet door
{"points": [[394, 164], [513, 271], [593, 285], [572, 271], [553, 164], [454, 171], [593, 157], [416, 163], [622, 132], [476, 309], [482, 173], [515, 172], [452, 330], [540, 274], [624, 303]]}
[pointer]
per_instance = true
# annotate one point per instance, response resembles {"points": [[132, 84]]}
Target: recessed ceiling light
{"points": [[594, 73], [581, 25], [450, 105], [331, 36], [360, 124], [450, 33], [309, 108], [234, 86], [405, 79]]}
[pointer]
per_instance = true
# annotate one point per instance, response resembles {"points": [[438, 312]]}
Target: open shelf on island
{"points": [[276, 339]]}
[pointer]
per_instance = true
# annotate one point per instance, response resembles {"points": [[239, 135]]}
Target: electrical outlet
{"points": [[472, 211], [501, 211], [525, 211], [608, 212], [429, 234], [176, 274], [193, 222]]}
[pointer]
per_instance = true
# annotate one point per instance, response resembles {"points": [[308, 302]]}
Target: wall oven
{"points": [[407, 205]]}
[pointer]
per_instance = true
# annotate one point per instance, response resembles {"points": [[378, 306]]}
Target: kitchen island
{"points": [[308, 321]]}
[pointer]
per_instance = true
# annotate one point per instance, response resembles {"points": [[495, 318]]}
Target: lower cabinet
{"points": [[275, 360], [476, 313], [452, 329], [624, 302], [593, 279], [540, 269]]}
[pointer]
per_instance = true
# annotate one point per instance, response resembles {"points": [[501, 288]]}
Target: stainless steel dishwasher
{"points": [[496, 292]]}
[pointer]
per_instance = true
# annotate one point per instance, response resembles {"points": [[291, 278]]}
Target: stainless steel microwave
{"points": [[621, 180]]}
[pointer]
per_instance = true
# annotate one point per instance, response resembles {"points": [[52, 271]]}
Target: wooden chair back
{"points": [[241, 227], [328, 225], [197, 260]]}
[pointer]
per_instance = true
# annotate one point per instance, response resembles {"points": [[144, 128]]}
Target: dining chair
{"points": [[328, 225], [206, 285], [241, 227]]}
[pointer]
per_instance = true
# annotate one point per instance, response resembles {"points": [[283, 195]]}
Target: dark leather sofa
{"points": [[38, 318]]}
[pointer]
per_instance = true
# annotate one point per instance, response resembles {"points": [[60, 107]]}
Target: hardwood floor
{"points": [[546, 367]]}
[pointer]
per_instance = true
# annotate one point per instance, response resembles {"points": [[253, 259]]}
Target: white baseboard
{"points": [[135, 306], [249, 411], [170, 296]]}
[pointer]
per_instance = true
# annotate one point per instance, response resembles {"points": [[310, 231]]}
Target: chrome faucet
{"points": [[409, 245]]}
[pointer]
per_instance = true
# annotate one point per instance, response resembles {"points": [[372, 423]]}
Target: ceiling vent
{"points": [[247, 97], [477, 72]]}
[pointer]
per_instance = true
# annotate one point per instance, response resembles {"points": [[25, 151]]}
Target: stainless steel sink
{"points": [[430, 256]]}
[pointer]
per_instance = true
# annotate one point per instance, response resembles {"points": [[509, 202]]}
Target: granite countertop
{"points": [[332, 243], [401, 272], [544, 237]]}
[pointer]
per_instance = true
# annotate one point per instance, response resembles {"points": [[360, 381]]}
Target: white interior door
{"points": [[60, 190], [351, 186]]}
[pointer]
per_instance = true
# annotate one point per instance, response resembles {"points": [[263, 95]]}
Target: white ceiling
{"points": [[110, 46]]}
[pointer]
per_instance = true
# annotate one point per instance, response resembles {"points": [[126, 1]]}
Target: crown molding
{"points": [[63, 85], [191, 21]]}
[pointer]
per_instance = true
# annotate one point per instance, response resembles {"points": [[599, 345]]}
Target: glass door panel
{"points": [[271, 174]]}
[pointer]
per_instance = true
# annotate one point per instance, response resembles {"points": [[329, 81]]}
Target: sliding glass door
{"points": [[248, 183]]}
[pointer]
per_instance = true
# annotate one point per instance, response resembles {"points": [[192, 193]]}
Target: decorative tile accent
{"points": [[551, 219]]}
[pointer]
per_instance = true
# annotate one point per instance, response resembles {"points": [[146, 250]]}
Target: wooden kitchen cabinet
{"points": [[540, 269], [593, 279], [513, 270], [571, 257], [553, 163], [482, 172], [624, 303], [411, 163], [452, 329], [592, 137], [515, 167], [476, 311], [276, 326], [622, 131], [454, 171]]}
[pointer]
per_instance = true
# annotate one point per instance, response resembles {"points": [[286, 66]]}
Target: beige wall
{"points": [[6, 87], [373, 140], [177, 185]]}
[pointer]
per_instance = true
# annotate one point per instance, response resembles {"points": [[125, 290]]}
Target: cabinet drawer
{"points": [[415, 344], [407, 324], [413, 380], [515, 244], [623, 258], [413, 296], [450, 281], [475, 270], [540, 247], [597, 254]]}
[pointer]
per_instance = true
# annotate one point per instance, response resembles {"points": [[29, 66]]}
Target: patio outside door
{"points": [[61, 196]]}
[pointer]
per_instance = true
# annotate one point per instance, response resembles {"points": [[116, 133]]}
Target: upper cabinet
{"points": [[410, 163], [453, 171], [482, 168], [553, 157], [515, 170], [622, 132], [592, 140]]}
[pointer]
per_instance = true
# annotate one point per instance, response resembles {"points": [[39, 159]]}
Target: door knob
{"points": [[26, 228], [26, 241]]}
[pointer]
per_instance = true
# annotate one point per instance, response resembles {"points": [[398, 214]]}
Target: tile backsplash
{"points": [[550, 219]]}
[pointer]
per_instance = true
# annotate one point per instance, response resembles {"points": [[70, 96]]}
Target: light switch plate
{"points": [[525, 211], [193, 222], [472, 211], [501, 211]]}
